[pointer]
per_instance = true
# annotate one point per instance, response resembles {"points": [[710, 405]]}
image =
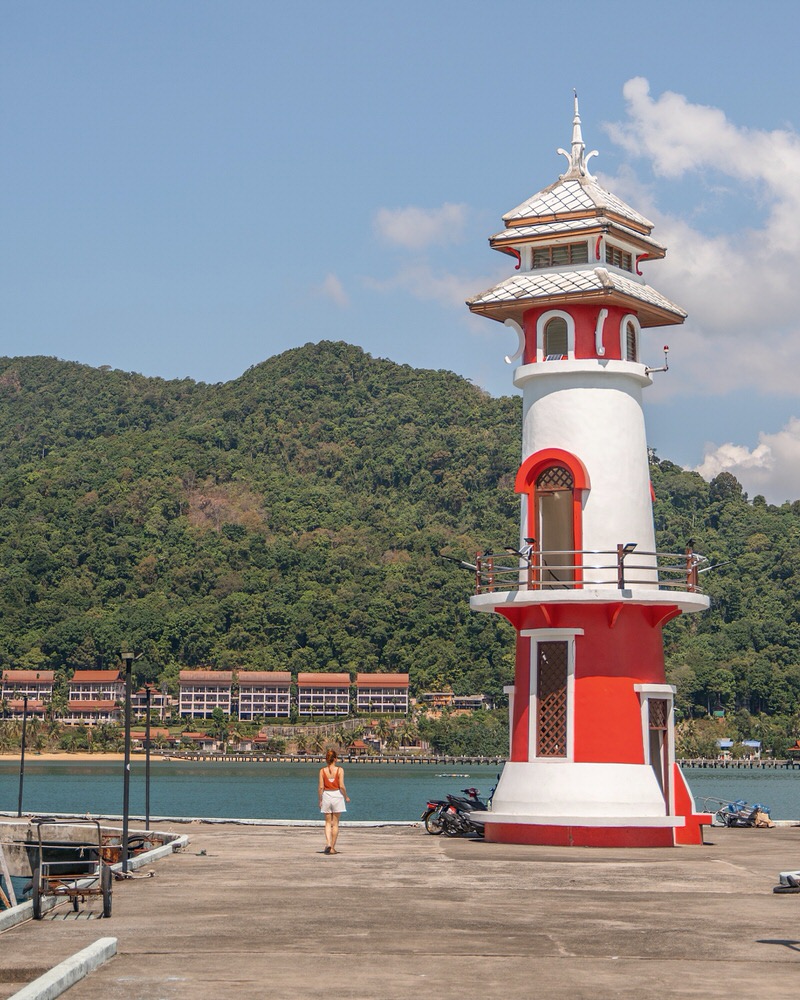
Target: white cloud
{"points": [[416, 228], [739, 286], [333, 289], [772, 468]]}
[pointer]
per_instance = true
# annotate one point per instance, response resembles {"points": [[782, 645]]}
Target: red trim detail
{"points": [[539, 460], [580, 836], [692, 833], [639, 259], [518, 255], [597, 247], [522, 700], [660, 616]]}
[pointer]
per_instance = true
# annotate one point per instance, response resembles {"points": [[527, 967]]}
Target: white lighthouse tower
{"points": [[592, 741]]}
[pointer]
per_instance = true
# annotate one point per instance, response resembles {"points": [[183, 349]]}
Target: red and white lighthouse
{"points": [[592, 727]]}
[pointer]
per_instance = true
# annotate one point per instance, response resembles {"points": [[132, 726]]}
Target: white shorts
{"points": [[332, 802]]}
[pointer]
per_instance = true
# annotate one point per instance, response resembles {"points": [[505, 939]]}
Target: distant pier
{"points": [[250, 757], [768, 764]]}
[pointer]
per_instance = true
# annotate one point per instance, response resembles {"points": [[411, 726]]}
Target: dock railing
{"points": [[574, 569]]}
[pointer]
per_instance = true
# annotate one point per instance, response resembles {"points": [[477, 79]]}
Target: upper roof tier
{"points": [[576, 193], [576, 242]]}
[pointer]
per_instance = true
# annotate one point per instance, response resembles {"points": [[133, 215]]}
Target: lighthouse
{"points": [[592, 755]]}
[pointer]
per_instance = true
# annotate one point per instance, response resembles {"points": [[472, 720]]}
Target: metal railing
{"points": [[573, 569]]}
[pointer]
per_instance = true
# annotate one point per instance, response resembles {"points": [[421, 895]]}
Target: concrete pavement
{"points": [[261, 912]]}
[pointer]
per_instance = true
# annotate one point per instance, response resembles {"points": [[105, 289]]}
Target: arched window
{"points": [[555, 336], [556, 344], [554, 482], [631, 353], [629, 331]]}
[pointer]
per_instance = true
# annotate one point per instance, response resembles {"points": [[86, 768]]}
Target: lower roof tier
{"points": [[599, 285]]}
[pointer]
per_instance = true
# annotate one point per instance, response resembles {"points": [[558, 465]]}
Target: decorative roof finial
{"points": [[578, 158]]}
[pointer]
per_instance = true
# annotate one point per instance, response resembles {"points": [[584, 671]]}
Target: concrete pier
{"points": [[253, 912]]}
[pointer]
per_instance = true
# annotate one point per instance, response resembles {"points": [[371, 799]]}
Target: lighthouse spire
{"points": [[578, 158]]}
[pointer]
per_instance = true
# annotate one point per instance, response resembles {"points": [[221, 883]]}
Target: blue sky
{"points": [[187, 188]]}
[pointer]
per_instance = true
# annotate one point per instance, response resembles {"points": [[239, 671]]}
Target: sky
{"points": [[189, 188]]}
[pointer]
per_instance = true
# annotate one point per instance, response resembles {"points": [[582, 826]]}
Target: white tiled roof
{"points": [[570, 227], [545, 284], [574, 195]]}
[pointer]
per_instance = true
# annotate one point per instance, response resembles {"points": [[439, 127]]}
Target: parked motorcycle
{"points": [[457, 816], [454, 816]]}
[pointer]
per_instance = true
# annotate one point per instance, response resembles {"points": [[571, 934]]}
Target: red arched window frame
{"points": [[528, 474]]}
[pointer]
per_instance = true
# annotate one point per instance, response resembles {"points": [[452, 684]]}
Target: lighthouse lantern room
{"points": [[592, 757]]}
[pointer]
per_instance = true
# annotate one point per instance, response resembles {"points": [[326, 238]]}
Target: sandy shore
{"points": [[78, 757]]}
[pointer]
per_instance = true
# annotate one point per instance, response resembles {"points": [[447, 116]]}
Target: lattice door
{"points": [[551, 699], [658, 712]]}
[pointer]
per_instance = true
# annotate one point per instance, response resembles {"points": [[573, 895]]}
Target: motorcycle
{"points": [[452, 816]]}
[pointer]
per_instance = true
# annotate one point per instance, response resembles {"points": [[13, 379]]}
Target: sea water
{"points": [[378, 792], [252, 790]]}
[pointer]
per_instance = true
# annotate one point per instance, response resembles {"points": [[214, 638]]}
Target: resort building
{"points": [[323, 694], [470, 702], [264, 692], [89, 712], [95, 696], [382, 693], [201, 691], [160, 703], [97, 685], [437, 699], [35, 685]]}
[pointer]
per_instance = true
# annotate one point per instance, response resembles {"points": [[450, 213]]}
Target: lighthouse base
{"points": [[579, 836], [567, 804]]}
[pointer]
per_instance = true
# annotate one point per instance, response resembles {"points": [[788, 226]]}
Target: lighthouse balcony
{"points": [[572, 575]]}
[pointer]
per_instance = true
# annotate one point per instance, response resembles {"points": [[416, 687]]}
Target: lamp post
{"points": [[622, 551], [148, 692], [127, 659], [22, 752]]}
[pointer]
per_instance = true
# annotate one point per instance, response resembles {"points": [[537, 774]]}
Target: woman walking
{"points": [[332, 798]]}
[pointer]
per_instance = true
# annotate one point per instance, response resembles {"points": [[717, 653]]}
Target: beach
{"points": [[81, 757]]}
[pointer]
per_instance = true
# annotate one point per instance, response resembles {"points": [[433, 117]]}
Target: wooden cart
{"points": [[72, 869]]}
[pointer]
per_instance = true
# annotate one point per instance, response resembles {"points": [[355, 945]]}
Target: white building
{"points": [[201, 691], [35, 685], [264, 693], [323, 694], [382, 693]]}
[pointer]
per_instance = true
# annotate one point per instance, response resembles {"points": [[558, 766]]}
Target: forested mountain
{"points": [[293, 519], [290, 519]]}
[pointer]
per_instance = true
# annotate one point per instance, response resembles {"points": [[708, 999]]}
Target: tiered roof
{"points": [[576, 206]]}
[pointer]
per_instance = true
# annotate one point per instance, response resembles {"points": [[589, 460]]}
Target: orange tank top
{"points": [[331, 784]]}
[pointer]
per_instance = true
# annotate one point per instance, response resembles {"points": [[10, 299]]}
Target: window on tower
{"points": [[631, 346], [556, 341], [563, 253], [618, 257]]}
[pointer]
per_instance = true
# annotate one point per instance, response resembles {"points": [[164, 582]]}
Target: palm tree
{"points": [[383, 730], [408, 733]]}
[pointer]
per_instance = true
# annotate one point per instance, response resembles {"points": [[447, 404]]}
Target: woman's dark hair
{"points": [[331, 756]]}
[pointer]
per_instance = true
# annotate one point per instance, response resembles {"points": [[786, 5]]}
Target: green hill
{"points": [[293, 519], [290, 519]]}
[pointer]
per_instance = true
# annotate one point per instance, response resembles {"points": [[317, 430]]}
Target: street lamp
{"points": [[22, 751], [127, 659], [622, 551], [147, 692]]}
